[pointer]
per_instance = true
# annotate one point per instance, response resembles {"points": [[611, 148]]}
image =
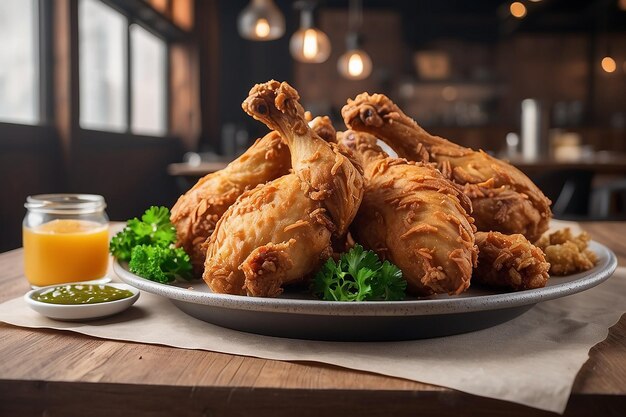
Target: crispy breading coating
{"points": [[504, 199], [567, 253], [196, 212], [509, 261], [413, 216], [279, 232]]}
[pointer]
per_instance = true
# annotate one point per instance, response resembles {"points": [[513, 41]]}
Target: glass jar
{"points": [[65, 238]]}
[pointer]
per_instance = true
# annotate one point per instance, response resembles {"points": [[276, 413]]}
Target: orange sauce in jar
{"points": [[65, 250]]}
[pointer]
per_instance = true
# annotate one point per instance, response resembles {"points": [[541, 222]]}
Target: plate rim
{"points": [[416, 307]]}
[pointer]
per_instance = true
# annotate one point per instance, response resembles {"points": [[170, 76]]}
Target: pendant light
{"points": [[607, 63], [518, 10], [309, 44], [261, 20], [355, 64]]}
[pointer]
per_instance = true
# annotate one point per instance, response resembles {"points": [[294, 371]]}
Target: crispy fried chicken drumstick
{"points": [[415, 217], [509, 261], [279, 232], [503, 198], [197, 211]]}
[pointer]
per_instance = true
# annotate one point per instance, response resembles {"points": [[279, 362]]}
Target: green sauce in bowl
{"points": [[82, 294]]}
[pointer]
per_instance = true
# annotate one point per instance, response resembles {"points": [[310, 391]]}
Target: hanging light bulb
{"points": [[608, 64], [517, 9], [308, 44], [262, 28], [355, 63], [261, 20]]}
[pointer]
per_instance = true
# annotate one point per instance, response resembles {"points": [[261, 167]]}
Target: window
{"points": [[102, 67], [148, 61], [117, 95], [19, 85]]}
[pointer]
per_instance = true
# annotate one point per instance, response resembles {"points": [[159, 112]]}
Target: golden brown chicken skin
{"points": [[509, 261], [415, 217], [323, 126], [279, 232], [503, 198], [196, 212]]}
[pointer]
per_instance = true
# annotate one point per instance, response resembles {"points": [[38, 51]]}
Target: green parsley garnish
{"points": [[160, 264], [154, 228], [147, 244], [359, 276]]}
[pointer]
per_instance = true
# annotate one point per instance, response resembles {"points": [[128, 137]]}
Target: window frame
{"points": [[59, 83], [132, 17], [166, 76], [43, 88], [46, 62]]}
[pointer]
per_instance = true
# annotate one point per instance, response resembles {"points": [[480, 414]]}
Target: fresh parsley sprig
{"points": [[160, 264], [147, 244], [359, 275], [154, 228]]}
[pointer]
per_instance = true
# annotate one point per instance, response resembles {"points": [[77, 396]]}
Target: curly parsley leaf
{"points": [[154, 228], [147, 244], [359, 276], [391, 284], [160, 264]]}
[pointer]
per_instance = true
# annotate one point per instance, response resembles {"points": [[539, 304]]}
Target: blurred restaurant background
{"points": [[137, 99]]}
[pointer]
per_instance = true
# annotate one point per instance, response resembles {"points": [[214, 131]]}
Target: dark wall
{"points": [[129, 172], [243, 63], [30, 163]]}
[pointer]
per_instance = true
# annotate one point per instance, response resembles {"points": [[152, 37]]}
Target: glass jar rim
{"points": [[65, 203]]}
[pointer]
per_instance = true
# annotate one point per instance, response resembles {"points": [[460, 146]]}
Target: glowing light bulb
{"points": [[262, 28], [517, 9], [261, 20], [355, 65], [309, 45], [609, 64]]}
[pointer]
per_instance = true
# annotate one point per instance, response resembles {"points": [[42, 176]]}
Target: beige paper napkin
{"points": [[531, 360]]}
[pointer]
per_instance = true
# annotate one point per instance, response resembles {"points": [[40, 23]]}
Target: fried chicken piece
{"points": [[323, 126], [196, 212], [279, 232], [567, 253], [509, 261], [504, 199], [415, 217]]}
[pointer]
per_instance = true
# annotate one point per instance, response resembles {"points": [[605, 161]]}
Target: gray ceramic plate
{"points": [[296, 314]]}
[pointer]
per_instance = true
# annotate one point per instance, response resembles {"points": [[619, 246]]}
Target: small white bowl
{"points": [[80, 311]]}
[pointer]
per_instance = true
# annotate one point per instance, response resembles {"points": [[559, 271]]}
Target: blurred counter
{"points": [[185, 169], [601, 164]]}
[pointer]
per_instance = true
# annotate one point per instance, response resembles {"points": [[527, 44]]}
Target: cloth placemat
{"points": [[531, 360]]}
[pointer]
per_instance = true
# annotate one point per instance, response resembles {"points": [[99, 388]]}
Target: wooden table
{"points": [[53, 373]]}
